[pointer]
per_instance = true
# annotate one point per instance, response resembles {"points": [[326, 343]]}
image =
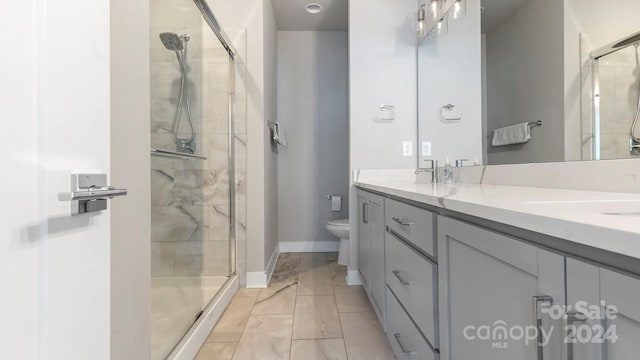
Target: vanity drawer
{"points": [[414, 224], [406, 341], [414, 281]]}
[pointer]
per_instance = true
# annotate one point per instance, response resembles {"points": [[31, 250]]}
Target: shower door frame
{"points": [[215, 26]]}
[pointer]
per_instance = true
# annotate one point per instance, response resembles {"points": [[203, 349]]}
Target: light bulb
{"points": [[442, 27], [459, 9], [434, 8]]}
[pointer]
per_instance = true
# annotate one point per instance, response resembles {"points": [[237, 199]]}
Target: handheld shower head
{"points": [[172, 41]]}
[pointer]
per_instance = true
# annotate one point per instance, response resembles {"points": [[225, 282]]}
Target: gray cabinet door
{"points": [[364, 244], [583, 285], [613, 337], [377, 258], [488, 285]]}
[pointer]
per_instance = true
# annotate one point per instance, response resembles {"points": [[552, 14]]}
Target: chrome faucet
{"points": [[435, 173], [634, 146]]}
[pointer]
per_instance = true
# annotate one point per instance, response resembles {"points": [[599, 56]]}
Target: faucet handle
{"points": [[435, 177]]}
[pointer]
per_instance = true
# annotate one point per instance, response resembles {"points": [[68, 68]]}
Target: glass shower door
{"points": [[178, 214], [192, 170]]}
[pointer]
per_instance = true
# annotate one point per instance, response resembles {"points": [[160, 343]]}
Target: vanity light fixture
{"points": [[422, 17], [313, 8], [459, 9]]}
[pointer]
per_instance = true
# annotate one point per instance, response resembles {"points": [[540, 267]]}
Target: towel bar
{"points": [[531, 124]]}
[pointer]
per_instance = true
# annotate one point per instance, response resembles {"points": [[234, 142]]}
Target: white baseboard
{"points": [[271, 265], [195, 338], [256, 280], [353, 278], [309, 246], [260, 279]]}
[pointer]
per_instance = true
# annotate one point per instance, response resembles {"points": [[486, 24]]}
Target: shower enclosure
{"points": [[192, 168], [613, 107]]}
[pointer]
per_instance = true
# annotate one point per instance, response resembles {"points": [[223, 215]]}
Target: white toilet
{"points": [[340, 229]]}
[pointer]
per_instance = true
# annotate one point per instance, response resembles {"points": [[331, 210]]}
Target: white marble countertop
{"points": [[583, 217]]}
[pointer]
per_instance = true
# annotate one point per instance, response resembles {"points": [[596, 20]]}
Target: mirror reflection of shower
{"points": [[609, 77], [634, 141], [178, 43]]}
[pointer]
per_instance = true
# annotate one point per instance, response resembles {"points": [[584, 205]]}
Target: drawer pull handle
{"points": [[402, 280], [402, 222], [365, 217], [403, 347], [537, 301]]}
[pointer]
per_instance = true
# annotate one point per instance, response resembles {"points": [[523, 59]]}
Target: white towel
{"points": [[515, 134], [278, 134]]}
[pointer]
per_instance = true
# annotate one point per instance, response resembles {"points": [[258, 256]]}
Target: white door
{"points": [[54, 97]]}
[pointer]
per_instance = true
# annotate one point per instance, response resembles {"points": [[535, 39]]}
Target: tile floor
{"points": [[307, 313], [174, 304]]}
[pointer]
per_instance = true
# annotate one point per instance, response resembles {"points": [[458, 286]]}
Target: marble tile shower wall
{"points": [[619, 81], [176, 218], [190, 198]]}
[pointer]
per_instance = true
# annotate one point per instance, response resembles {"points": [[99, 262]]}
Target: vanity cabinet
{"points": [[371, 257], [492, 286], [453, 287], [619, 327]]}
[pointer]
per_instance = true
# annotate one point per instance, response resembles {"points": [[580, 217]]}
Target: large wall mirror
{"points": [[520, 81]]}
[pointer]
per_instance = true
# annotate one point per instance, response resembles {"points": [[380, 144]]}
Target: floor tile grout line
{"points": [[244, 328], [293, 320], [335, 301], [344, 339]]}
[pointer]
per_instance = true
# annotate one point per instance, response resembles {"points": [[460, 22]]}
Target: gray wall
{"points": [[382, 70], [313, 110], [525, 81], [270, 151], [449, 72], [130, 215]]}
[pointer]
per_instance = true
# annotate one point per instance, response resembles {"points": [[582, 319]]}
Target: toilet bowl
{"points": [[340, 229]]}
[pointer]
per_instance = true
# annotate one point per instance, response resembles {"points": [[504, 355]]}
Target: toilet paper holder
{"points": [[336, 202]]}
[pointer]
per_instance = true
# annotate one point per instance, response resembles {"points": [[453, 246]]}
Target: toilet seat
{"points": [[339, 223]]}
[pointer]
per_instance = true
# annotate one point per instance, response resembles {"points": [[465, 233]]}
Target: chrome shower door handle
{"points": [[537, 301]]}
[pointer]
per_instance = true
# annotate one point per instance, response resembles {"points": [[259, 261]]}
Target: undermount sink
{"points": [[623, 214], [600, 201], [618, 207]]}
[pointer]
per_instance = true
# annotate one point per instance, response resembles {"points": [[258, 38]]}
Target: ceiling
{"points": [[291, 15], [497, 11]]}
